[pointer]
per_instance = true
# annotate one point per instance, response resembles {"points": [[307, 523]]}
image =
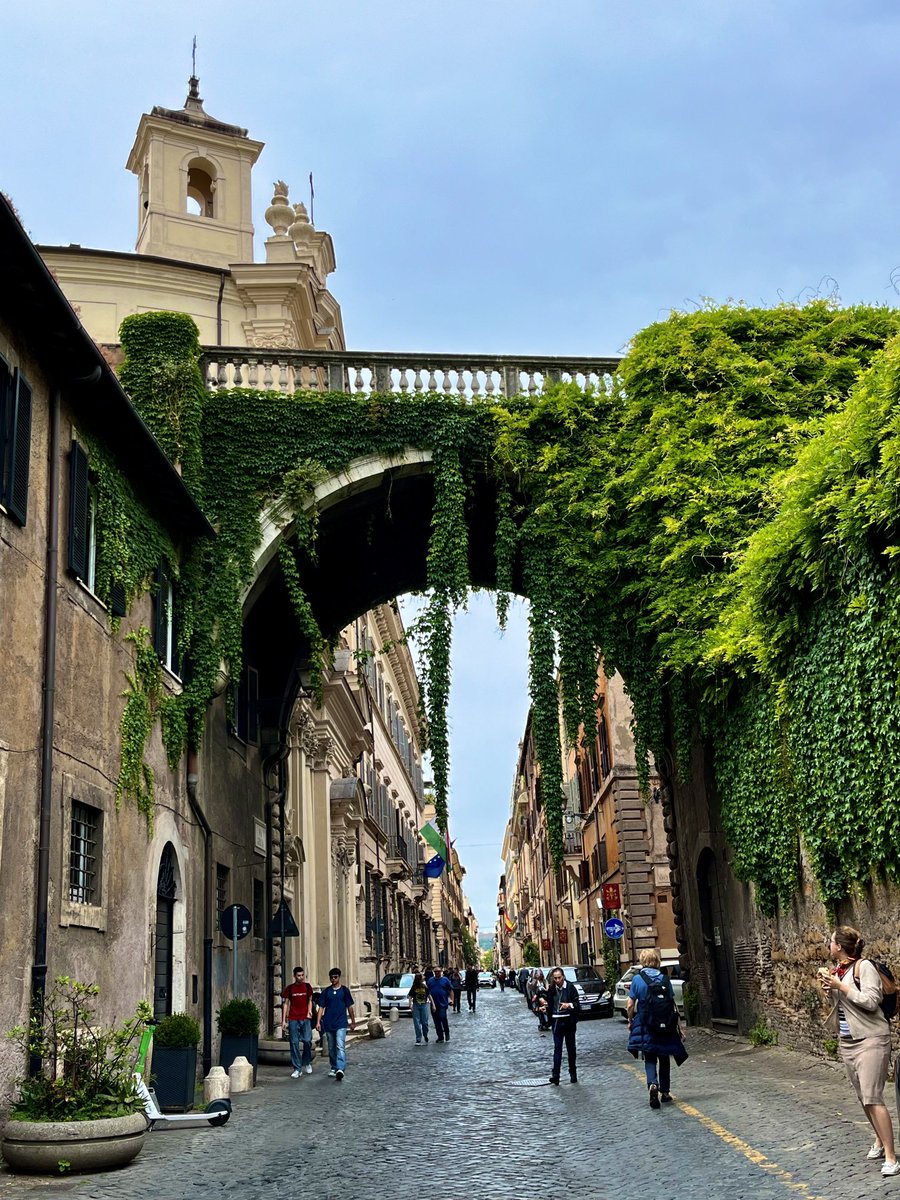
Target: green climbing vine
{"points": [[142, 700], [720, 522]]}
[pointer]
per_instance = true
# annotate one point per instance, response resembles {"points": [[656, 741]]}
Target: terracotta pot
{"points": [[40, 1146]]}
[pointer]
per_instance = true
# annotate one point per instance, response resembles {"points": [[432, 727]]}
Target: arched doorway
{"points": [[716, 942], [163, 961]]}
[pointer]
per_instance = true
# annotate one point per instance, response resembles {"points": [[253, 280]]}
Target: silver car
{"points": [[672, 968], [394, 993]]}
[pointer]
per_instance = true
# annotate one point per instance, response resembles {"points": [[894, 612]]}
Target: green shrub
{"points": [[830, 1046], [176, 1031], [238, 1018], [762, 1034], [87, 1070]]}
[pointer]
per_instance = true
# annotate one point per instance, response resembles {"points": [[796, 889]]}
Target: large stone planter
{"points": [[275, 1052], [39, 1147]]}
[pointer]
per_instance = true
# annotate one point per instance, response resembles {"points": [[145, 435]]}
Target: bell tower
{"points": [[193, 171]]}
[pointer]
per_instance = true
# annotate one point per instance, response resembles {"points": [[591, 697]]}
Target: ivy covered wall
{"points": [[720, 523]]}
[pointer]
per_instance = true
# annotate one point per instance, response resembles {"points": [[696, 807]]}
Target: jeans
{"points": [[471, 997], [336, 1040], [457, 992], [564, 1031], [420, 1020], [665, 1071], [300, 1033], [441, 1024]]}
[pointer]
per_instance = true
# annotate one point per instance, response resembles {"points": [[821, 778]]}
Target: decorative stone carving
{"points": [[302, 227], [272, 341], [279, 214], [343, 853]]}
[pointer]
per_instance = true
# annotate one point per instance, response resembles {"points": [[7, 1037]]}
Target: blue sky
{"points": [[498, 175]]}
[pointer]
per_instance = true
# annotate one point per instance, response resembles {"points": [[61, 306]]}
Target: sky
{"points": [[498, 176]]}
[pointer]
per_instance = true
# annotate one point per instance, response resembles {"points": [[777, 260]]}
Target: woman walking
{"points": [[418, 996], [855, 988], [456, 983], [653, 1027], [537, 991]]}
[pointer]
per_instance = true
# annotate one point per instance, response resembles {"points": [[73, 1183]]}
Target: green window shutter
{"points": [[117, 605], [78, 512], [161, 610], [15, 495], [5, 419]]}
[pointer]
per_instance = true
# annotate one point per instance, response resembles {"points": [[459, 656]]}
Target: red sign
{"points": [[563, 936], [611, 896], [545, 943]]}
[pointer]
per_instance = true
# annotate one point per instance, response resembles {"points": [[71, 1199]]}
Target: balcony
{"points": [[364, 372], [573, 845], [397, 858]]}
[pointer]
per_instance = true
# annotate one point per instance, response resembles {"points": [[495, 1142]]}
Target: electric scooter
{"points": [[217, 1111]]}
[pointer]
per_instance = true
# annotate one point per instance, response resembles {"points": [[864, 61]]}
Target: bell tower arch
{"points": [[194, 198]]}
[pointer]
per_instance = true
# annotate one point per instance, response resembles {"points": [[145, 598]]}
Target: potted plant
{"points": [[81, 1110], [174, 1062], [238, 1024]]}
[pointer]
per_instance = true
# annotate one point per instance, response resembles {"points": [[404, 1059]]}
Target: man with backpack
{"points": [[653, 1027]]}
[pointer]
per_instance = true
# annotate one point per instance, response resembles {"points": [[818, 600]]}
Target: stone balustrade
{"points": [[472, 376]]}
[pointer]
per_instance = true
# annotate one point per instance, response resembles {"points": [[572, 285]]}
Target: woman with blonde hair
{"points": [[854, 985], [654, 1029]]}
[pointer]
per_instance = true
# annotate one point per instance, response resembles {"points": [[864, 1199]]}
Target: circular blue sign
{"points": [[613, 928]]}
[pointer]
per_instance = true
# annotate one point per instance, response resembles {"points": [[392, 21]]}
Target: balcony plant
{"points": [[174, 1063], [238, 1024], [81, 1110]]}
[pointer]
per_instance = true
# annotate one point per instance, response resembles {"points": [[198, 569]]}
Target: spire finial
{"points": [[193, 82]]}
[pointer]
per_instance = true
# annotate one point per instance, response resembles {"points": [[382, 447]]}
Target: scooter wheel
{"points": [[222, 1107]]}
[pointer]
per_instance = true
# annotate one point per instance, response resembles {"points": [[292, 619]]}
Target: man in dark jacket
{"points": [[471, 987], [563, 1005]]}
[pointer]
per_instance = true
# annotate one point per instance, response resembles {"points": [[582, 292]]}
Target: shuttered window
{"points": [[81, 532], [15, 441]]}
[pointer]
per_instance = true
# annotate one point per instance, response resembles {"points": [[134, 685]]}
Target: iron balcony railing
{"points": [[364, 372]]}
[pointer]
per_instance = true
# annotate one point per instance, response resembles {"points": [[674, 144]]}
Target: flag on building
{"points": [[508, 922], [432, 835], [433, 868]]}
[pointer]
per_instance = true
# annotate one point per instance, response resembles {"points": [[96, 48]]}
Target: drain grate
{"points": [[542, 1082]]}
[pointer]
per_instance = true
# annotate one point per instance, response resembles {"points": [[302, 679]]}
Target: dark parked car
{"points": [[593, 994]]}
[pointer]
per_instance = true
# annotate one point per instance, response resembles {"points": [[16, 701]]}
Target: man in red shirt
{"points": [[297, 1015]]}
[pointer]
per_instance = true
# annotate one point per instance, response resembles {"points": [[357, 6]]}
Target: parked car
{"points": [[486, 979], [394, 993], [672, 968], [594, 996]]}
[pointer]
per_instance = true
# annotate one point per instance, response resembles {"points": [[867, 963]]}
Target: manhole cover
{"points": [[542, 1082]]}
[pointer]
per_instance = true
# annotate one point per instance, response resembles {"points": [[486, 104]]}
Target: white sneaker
{"points": [[892, 1168], [331, 1074], [295, 1074], [308, 1068]]}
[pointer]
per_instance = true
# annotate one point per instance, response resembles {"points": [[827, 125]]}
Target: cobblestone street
{"points": [[460, 1119]]}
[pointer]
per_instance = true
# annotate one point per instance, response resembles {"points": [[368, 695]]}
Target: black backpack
{"points": [[660, 1014]]}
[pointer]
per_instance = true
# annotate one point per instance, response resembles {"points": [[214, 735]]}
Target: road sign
{"points": [[611, 896], [613, 928], [235, 921], [283, 923]]}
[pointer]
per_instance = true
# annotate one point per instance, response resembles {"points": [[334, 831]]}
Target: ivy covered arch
{"points": [[721, 522]]}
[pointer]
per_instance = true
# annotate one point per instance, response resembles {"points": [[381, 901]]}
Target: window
{"points": [[165, 618], [245, 709], [84, 851], [15, 441], [200, 200], [222, 874]]}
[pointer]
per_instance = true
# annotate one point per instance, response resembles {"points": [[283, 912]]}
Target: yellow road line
{"points": [[731, 1139]]}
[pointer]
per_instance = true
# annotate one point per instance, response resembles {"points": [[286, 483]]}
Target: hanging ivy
{"points": [[719, 522], [142, 699]]}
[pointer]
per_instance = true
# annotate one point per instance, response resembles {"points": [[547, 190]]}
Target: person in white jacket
{"points": [[854, 985]]}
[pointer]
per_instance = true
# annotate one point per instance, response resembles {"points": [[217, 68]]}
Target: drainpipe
{"points": [[219, 308], [192, 780], [39, 960]]}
